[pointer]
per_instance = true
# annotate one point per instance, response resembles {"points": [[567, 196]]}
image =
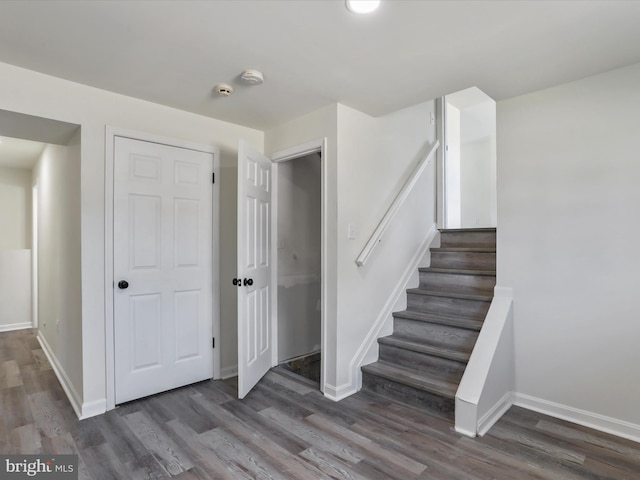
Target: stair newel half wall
{"points": [[423, 361]]}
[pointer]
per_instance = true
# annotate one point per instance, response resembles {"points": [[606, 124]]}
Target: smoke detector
{"points": [[223, 89], [252, 77]]}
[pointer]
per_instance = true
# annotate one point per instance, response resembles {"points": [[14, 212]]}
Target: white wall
{"points": [[15, 208], [15, 248], [368, 159], [478, 165], [453, 177], [57, 175], [299, 256], [32, 93], [375, 157], [15, 289], [568, 229]]}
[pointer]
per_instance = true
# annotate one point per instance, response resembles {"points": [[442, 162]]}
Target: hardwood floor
{"points": [[285, 429]]}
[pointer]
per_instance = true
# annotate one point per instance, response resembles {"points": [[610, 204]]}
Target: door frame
{"points": [[110, 135], [292, 153], [34, 255]]}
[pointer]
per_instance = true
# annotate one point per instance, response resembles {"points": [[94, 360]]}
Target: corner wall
{"points": [[57, 175], [568, 229]]}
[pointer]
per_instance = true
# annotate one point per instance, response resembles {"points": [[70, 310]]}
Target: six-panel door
{"points": [[163, 253]]}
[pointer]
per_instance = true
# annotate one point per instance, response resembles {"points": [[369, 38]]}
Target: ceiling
{"points": [[315, 52]]}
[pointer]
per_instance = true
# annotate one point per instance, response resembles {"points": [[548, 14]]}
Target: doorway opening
{"points": [[469, 159], [299, 265], [298, 247]]}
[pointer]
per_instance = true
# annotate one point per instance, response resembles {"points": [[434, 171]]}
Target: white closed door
{"points": [[163, 272], [254, 267]]}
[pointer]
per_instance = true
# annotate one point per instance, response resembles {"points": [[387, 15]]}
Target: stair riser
{"points": [[449, 370], [463, 260], [462, 322], [435, 404], [457, 338], [468, 239], [448, 306], [445, 280]]}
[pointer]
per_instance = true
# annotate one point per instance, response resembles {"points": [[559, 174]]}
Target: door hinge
{"points": [[213, 178], [213, 342]]}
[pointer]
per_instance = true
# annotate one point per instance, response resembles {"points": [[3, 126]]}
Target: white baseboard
{"points": [[83, 409], [228, 372], [596, 421], [338, 393], [494, 413], [72, 394], [91, 409], [15, 326]]}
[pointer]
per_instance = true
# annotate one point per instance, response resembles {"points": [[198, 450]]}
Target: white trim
{"points": [[72, 394], [320, 146], [355, 373], [596, 421], [395, 206], [440, 173], [493, 415], [34, 255], [229, 372], [110, 134], [338, 393], [91, 409], [15, 326]]}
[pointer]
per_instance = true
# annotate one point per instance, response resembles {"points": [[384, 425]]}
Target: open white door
{"points": [[254, 267]]}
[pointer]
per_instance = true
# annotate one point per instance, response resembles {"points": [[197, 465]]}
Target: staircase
{"points": [[422, 362]]}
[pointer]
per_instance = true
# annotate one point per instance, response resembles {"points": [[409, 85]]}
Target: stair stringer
{"points": [[383, 325], [486, 390]]}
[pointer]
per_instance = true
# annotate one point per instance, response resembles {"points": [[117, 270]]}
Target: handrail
{"points": [[376, 236]]}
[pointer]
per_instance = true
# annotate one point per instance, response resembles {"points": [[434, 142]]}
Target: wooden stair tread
{"points": [[469, 230], [441, 319], [458, 292], [467, 249], [412, 378], [458, 271], [427, 347]]}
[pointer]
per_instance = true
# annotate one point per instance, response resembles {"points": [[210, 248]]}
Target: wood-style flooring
{"points": [[285, 429]]}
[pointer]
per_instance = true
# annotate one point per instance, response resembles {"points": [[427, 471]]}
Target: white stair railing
{"points": [[377, 234]]}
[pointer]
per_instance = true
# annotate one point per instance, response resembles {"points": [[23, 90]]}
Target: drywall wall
{"points": [[375, 157], [32, 93], [299, 256], [453, 176], [568, 229], [367, 161], [470, 159], [478, 165], [15, 289], [57, 175], [15, 208]]}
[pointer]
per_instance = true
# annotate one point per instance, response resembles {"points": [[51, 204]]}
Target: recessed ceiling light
{"points": [[362, 6]]}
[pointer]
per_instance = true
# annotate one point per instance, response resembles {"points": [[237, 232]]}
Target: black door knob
{"points": [[248, 281], [122, 284]]}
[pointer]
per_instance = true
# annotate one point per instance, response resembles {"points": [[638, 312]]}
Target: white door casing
{"points": [[162, 242], [255, 346]]}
